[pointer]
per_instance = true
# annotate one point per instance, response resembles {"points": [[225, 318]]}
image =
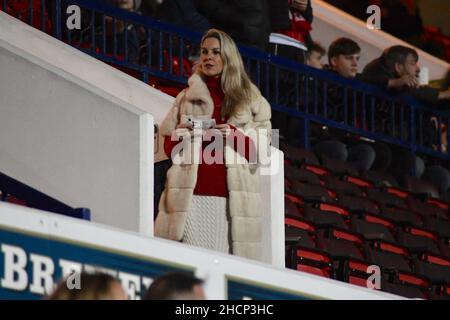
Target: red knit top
{"points": [[300, 28], [212, 178]]}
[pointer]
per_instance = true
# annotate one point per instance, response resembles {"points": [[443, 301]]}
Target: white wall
{"points": [[76, 129], [331, 23]]}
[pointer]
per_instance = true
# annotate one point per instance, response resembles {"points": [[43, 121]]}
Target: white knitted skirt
{"points": [[208, 224]]}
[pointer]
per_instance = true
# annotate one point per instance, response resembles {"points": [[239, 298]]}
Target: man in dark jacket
{"points": [[343, 57], [183, 13], [397, 69], [246, 21]]}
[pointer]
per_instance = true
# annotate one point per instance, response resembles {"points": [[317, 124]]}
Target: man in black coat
{"points": [[397, 69], [246, 21]]}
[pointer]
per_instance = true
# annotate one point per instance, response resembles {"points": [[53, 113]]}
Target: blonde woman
{"points": [[215, 204]]}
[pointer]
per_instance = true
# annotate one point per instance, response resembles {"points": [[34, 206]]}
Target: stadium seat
{"points": [[354, 271], [312, 192], [401, 216], [418, 240], [416, 185], [434, 267], [302, 175], [339, 167], [358, 181], [444, 246], [385, 198], [389, 256], [440, 226], [426, 209], [300, 156], [441, 204], [311, 261], [407, 291], [380, 179], [340, 243], [299, 232], [359, 204], [291, 207], [326, 215], [373, 227], [342, 187]]}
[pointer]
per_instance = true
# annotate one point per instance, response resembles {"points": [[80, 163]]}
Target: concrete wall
{"points": [[76, 129], [132, 250]]}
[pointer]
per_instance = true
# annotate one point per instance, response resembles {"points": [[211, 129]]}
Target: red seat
{"points": [[373, 227], [434, 267], [389, 256], [300, 232], [291, 207], [311, 261], [326, 218], [419, 240], [340, 243], [402, 216]]}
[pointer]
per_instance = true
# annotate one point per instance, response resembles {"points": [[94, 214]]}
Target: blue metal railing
{"points": [[313, 96], [11, 188]]}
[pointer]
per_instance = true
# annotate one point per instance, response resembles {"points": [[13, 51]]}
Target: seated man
{"points": [[314, 55], [343, 57], [397, 69]]}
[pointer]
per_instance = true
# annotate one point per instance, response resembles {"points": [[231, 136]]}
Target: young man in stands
{"points": [[314, 55], [397, 69], [343, 58]]}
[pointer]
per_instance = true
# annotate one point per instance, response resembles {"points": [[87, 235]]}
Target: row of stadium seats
{"points": [[339, 221]]}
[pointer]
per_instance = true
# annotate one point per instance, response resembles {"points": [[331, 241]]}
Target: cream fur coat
{"points": [[242, 177]]}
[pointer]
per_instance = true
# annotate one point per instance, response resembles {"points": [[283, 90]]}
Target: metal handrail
{"points": [[405, 115]]}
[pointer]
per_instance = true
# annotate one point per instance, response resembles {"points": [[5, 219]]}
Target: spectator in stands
{"points": [[201, 201], [343, 58], [176, 286], [290, 39], [123, 37], [150, 8], [246, 21], [98, 286], [290, 23], [314, 55], [290, 127], [183, 13], [397, 69]]}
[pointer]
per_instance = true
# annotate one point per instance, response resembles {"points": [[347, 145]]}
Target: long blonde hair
{"points": [[236, 84]]}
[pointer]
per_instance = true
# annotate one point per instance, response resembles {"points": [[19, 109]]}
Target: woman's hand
{"points": [[182, 129], [224, 129], [184, 125]]}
